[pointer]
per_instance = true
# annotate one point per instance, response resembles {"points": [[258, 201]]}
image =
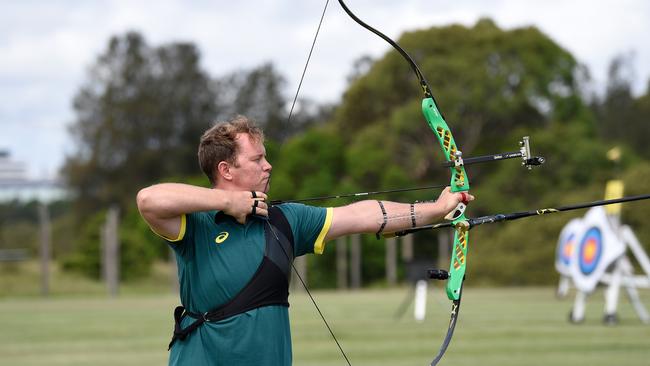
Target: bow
{"points": [[459, 183]]}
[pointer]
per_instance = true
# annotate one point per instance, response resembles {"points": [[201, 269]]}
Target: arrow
{"points": [[519, 215]]}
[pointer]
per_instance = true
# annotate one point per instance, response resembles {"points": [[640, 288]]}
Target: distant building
{"points": [[16, 185], [11, 171]]}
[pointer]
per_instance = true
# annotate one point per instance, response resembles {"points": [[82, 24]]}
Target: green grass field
{"points": [[511, 326]]}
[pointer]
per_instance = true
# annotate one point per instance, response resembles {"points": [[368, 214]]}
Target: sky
{"points": [[47, 46]]}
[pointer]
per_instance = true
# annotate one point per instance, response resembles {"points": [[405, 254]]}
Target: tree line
{"points": [[142, 108]]}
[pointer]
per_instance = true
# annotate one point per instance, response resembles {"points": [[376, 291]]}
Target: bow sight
{"points": [[524, 153]]}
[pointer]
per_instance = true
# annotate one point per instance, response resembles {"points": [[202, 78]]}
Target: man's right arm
{"points": [[163, 205]]}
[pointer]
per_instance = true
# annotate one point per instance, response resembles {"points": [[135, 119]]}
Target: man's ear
{"points": [[223, 169]]}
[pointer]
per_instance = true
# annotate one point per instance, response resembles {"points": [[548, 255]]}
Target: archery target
{"points": [[597, 246], [591, 250], [567, 249], [566, 246]]}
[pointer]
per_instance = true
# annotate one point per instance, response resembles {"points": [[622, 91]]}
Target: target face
{"points": [[591, 249], [565, 252]]}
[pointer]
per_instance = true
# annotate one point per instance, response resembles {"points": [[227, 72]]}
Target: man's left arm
{"points": [[384, 216]]}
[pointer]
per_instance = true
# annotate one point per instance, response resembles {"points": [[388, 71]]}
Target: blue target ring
{"points": [[591, 249], [566, 249]]}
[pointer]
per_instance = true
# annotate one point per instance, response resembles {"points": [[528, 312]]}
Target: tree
{"points": [[488, 82], [621, 117], [138, 118], [258, 94]]}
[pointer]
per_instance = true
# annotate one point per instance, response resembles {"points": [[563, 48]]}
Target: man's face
{"points": [[252, 171]]}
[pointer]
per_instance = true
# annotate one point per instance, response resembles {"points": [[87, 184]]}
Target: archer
{"points": [[234, 251]]}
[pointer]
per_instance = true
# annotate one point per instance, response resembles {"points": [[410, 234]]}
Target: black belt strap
{"points": [[180, 332], [180, 312]]}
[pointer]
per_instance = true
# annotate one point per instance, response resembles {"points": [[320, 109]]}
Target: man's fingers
{"points": [[262, 212], [257, 195], [465, 197], [259, 207], [250, 203]]}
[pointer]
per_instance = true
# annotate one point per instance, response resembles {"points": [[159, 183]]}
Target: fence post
{"points": [[391, 261], [444, 244], [45, 247], [407, 248], [300, 264], [111, 251], [342, 263], [355, 261]]}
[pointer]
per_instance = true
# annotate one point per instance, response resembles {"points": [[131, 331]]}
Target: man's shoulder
{"points": [[294, 208]]}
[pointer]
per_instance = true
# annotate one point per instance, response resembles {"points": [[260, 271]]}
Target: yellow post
{"points": [[614, 190]]}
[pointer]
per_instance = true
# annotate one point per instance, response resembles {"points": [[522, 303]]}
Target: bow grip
{"points": [[456, 212]]}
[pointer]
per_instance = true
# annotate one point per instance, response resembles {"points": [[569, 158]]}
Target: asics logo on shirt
{"points": [[221, 237]]}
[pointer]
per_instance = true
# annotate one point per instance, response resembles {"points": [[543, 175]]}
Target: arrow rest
{"points": [[458, 158]]}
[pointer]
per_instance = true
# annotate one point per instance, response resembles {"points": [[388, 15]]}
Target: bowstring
{"points": [[304, 71], [295, 270]]}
